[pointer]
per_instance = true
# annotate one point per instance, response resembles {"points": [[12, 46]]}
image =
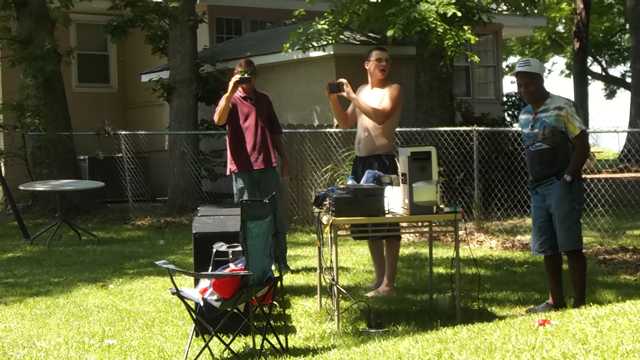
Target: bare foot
{"points": [[381, 291], [373, 285]]}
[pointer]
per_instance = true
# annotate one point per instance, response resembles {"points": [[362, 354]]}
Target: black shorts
{"points": [[386, 164]]}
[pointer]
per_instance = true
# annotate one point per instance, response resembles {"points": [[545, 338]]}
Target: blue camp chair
{"points": [[258, 292]]}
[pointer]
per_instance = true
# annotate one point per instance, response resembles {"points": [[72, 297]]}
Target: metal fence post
{"points": [[127, 175], [476, 180]]}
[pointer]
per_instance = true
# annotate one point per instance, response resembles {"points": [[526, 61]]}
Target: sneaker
{"points": [[285, 268], [544, 307]]}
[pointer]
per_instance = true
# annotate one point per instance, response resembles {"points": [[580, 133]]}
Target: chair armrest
{"points": [[201, 275]]}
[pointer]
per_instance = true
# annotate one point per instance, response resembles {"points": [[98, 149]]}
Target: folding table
{"points": [[409, 224]]}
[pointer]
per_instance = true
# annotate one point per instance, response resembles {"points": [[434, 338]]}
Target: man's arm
{"points": [[387, 108], [579, 142], [277, 145], [275, 129], [222, 111], [345, 119], [581, 151]]}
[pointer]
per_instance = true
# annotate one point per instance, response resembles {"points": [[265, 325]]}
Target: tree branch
{"points": [[604, 69], [610, 79]]}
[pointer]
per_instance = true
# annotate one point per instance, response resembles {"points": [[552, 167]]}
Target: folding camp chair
{"points": [[258, 286]]}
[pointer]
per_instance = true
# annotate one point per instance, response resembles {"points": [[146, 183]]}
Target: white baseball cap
{"points": [[529, 65]]}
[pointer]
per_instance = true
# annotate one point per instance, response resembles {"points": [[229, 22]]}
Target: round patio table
{"points": [[60, 187]]}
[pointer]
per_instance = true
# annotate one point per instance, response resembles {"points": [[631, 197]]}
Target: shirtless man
{"points": [[376, 108]]}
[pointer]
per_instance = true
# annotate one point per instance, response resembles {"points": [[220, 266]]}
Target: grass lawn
{"points": [[78, 300]]}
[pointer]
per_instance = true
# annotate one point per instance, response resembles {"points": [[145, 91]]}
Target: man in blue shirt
{"points": [[556, 147]]}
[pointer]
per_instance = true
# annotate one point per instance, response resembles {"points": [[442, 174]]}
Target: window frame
{"points": [[274, 21], [112, 50], [215, 30], [467, 64], [473, 65]]}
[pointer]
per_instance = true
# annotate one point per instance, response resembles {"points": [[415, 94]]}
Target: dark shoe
{"points": [[542, 308], [285, 268]]}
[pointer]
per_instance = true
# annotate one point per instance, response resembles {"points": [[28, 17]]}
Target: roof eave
{"points": [[269, 59]]}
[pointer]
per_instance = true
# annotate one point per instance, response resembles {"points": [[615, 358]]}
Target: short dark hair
{"points": [[246, 63], [377, 48]]}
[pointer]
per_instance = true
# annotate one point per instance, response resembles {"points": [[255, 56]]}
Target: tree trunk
{"points": [[183, 107], [631, 151], [52, 157], [580, 57], [434, 86]]}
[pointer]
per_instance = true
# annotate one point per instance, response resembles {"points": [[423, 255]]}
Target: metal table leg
{"points": [[431, 264], [319, 265], [61, 218], [336, 295]]}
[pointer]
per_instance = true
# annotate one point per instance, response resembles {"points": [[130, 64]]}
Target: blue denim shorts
{"points": [[556, 212]]}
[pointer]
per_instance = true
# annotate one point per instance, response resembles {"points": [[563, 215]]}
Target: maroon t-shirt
{"points": [[250, 125]]}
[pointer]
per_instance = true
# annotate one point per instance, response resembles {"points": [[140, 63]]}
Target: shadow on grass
{"points": [[509, 280], [34, 270]]}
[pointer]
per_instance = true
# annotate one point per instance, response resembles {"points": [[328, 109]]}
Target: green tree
{"points": [[437, 28], [580, 56], [631, 150], [170, 28], [29, 44], [608, 49]]}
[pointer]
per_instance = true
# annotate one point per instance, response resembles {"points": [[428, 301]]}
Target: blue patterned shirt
{"points": [[547, 135]]}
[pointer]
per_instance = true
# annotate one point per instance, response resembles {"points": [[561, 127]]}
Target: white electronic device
{"points": [[419, 181]]}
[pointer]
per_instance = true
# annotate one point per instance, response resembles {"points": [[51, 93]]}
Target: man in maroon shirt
{"points": [[253, 139]]}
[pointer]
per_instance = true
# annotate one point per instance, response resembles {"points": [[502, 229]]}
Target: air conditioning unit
{"points": [[125, 179]]}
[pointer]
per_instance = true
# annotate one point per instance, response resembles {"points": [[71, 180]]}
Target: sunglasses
{"points": [[246, 72]]}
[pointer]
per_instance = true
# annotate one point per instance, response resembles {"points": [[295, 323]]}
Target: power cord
{"points": [[373, 325], [475, 261]]}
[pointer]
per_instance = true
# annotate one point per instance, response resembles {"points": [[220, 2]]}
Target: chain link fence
{"points": [[482, 169]]}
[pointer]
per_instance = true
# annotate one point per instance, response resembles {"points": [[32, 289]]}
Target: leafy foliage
{"points": [[152, 18], [448, 23], [609, 43], [27, 36]]}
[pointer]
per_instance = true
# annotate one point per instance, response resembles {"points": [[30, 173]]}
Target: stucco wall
{"points": [[297, 90], [88, 110], [143, 110]]}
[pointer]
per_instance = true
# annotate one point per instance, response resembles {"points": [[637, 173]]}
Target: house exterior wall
{"points": [[297, 90], [89, 109], [247, 14]]}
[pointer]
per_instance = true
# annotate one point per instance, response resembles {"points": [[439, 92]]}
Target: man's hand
{"points": [[233, 84], [222, 111], [348, 91], [285, 170], [330, 96]]}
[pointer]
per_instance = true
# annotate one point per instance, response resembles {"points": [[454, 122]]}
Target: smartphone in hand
{"points": [[336, 87], [244, 80]]}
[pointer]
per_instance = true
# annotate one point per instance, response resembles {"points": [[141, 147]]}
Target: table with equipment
{"points": [[60, 187], [412, 200], [338, 227]]}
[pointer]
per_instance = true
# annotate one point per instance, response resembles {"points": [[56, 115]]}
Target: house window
{"points": [[95, 65], [473, 80], [462, 75], [227, 29], [259, 25]]}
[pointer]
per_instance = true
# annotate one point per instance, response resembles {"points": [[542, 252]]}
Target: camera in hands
{"points": [[244, 80], [336, 87]]}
